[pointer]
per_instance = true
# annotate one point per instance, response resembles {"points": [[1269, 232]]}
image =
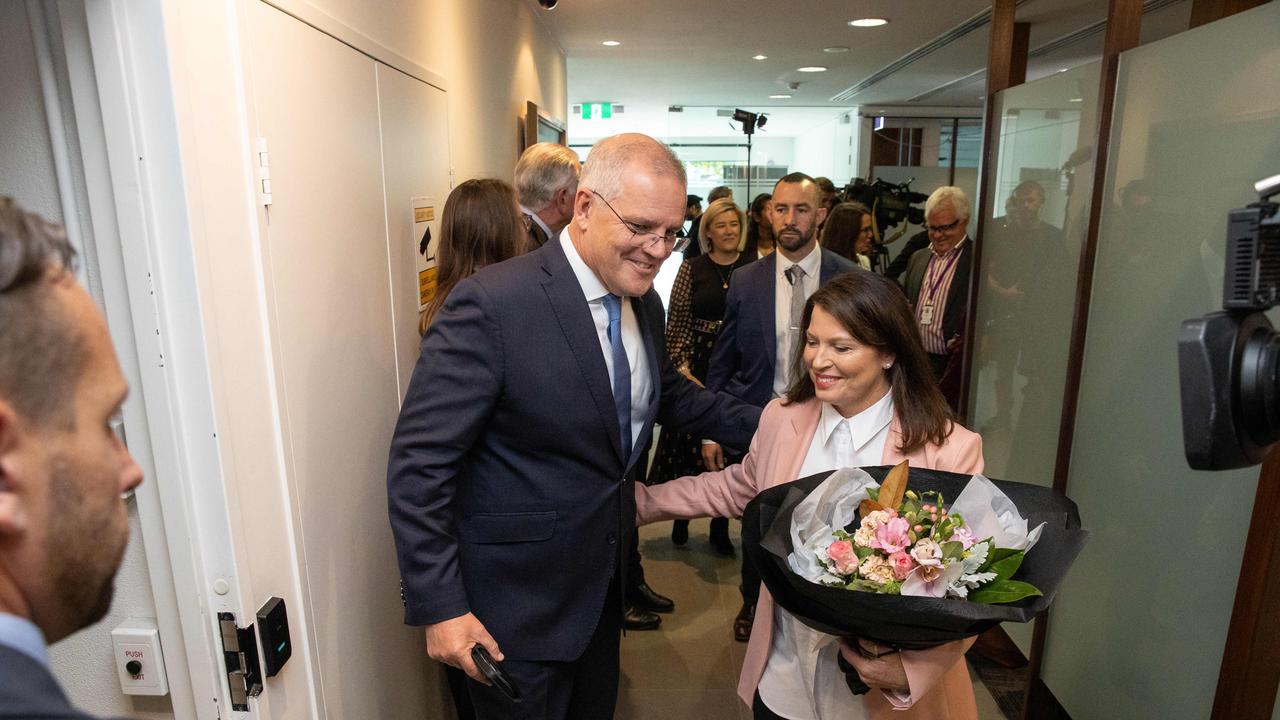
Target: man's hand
{"points": [[884, 672], [712, 456], [450, 641]]}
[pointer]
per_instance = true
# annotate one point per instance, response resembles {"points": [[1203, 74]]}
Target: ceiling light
{"points": [[1076, 100], [812, 68], [1062, 70], [759, 57], [836, 49], [868, 22], [779, 97], [611, 43]]}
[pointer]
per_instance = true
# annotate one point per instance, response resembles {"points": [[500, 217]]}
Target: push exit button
{"points": [[139, 661]]}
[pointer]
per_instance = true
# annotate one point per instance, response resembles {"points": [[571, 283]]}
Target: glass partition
{"points": [[1034, 225], [1139, 627]]}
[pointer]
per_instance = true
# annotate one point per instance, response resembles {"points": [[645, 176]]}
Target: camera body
{"points": [[891, 203], [1229, 361]]}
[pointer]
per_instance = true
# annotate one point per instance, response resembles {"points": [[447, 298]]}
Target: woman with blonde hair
{"points": [[480, 226], [693, 323]]}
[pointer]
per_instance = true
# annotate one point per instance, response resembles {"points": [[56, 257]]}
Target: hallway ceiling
{"points": [[682, 52]]}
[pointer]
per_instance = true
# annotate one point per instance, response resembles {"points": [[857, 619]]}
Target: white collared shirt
{"points": [[812, 266], [802, 680], [534, 216], [22, 635], [594, 291]]}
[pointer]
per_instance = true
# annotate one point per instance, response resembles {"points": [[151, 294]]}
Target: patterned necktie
{"points": [[795, 274], [621, 371]]}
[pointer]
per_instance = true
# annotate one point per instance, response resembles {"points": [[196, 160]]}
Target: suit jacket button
{"points": [[611, 538]]}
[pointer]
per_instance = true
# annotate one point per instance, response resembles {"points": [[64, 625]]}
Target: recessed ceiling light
{"points": [[779, 97], [759, 57], [868, 22], [1062, 70], [812, 68], [837, 49], [1076, 100], [611, 43]]}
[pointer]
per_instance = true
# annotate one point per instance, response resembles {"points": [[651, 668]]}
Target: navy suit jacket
{"points": [[28, 691], [742, 363], [506, 478]]}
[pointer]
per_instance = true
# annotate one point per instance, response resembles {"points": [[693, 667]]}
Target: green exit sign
{"points": [[597, 111]]}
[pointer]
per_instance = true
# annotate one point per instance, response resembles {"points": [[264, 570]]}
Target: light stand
{"points": [[750, 121]]}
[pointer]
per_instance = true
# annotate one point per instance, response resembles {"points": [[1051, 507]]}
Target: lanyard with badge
{"points": [[926, 312]]}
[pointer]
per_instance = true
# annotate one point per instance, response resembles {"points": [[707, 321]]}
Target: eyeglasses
{"points": [[943, 228], [647, 239]]}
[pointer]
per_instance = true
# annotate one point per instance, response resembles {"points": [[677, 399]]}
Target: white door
{"points": [[350, 142]]}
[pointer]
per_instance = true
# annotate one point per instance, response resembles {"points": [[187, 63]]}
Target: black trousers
{"points": [[583, 689], [760, 711]]}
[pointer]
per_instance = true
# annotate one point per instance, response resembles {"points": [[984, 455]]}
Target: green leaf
{"points": [[874, 493], [1003, 591], [996, 555], [862, 552], [1006, 567], [952, 550]]}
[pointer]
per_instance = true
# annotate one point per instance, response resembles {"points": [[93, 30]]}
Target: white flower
{"points": [[927, 552]]}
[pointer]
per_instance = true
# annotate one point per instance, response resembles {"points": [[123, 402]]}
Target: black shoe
{"points": [[742, 624], [636, 619], [722, 544], [642, 596], [679, 532]]}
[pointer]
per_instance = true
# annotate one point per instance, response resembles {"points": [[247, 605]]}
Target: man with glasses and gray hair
{"points": [[511, 468], [546, 180], [937, 283]]}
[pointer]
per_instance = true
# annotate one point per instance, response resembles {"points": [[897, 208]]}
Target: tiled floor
{"points": [[688, 669]]}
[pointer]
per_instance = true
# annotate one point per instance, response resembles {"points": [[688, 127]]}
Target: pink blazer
{"points": [[939, 680]]}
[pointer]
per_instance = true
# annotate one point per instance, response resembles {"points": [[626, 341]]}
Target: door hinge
{"points": [[264, 172], [240, 652]]}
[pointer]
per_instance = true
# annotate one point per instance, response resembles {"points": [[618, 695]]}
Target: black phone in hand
{"points": [[494, 673]]}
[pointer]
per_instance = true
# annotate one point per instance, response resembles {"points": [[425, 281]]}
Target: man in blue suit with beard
{"points": [[537, 390]]}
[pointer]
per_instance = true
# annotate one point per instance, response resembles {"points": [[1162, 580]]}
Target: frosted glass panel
{"points": [[1139, 627], [1034, 224]]}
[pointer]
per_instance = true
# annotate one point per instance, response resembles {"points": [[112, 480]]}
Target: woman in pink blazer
{"points": [[862, 394]]}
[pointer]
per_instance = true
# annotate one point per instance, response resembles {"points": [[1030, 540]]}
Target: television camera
{"points": [[1229, 361]]}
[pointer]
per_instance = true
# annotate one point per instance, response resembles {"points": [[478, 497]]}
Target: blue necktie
{"points": [[621, 371]]}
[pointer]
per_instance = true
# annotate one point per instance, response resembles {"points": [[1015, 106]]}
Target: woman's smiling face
{"points": [[849, 375]]}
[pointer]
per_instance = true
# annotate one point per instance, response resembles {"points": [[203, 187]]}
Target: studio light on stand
{"points": [[750, 121]]}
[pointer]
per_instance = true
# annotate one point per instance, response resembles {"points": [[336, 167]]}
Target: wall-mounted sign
{"points": [[597, 111], [425, 244]]}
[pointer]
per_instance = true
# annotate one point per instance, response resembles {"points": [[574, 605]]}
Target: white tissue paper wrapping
{"points": [[832, 505], [987, 511], [990, 513]]}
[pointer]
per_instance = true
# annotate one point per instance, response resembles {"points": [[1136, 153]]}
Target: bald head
{"points": [[611, 157]]}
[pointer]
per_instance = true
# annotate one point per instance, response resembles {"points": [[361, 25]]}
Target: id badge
{"points": [[926, 314]]}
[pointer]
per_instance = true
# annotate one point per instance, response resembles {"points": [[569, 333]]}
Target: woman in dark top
{"points": [[848, 233], [693, 322], [759, 227]]}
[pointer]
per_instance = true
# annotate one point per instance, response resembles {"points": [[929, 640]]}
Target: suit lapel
{"points": [[768, 311], [801, 429], [571, 310]]}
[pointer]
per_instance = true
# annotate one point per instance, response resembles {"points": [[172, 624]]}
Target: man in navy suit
{"points": [[754, 355], [63, 526], [537, 390]]}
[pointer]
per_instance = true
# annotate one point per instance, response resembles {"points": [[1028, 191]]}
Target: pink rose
{"points": [[964, 536], [902, 565], [891, 537], [928, 553], [843, 558]]}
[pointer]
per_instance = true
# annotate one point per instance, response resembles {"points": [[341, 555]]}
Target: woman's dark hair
{"points": [[480, 226], [758, 206], [843, 227], [873, 309]]}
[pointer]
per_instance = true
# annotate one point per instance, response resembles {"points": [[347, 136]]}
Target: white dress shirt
{"points": [[534, 217], [22, 635], [812, 266], [594, 291], [802, 680]]}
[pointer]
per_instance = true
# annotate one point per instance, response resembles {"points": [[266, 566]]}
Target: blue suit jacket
{"points": [[29, 691], [742, 363], [506, 478]]}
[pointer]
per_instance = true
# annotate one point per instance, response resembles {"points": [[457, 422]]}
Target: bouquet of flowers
{"points": [[910, 544], [933, 573]]}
